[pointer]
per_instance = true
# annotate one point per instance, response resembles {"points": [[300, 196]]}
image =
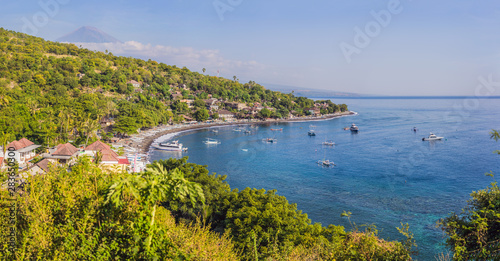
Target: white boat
{"points": [[248, 132], [170, 146], [432, 136], [329, 143], [326, 163], [244, 149], [311, 133], [211, 141], [215, 131], [237, 130], [270, 140], [354, 128]]}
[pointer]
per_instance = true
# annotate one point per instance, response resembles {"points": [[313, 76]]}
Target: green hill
{"points": [[52, 92]]}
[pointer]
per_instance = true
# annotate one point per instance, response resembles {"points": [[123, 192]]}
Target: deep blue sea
{"points": [[385, 174]]}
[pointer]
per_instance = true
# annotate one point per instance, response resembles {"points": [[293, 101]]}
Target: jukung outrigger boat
{"points": [[329, 143], [326, 163]]}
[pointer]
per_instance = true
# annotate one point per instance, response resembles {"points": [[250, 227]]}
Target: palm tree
{"points": [[152, 187], [203, 70]]}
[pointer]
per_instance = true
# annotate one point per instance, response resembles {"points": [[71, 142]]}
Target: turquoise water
{"points": [[385, 174]]}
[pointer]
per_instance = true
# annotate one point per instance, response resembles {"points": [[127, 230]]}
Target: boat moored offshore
{"points": [[170, 146], [354, 128], [432, 136]]}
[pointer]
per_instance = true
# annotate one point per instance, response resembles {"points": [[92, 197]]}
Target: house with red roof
{"points": [[108, 156], [40, 167], [24, 150], [63, 154]]}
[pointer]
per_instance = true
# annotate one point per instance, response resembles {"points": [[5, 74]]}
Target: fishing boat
{"points": [[432, 136], [326, 163], [170, 146], [270, 140], [354, 128], [329, 143], [281, 129], [311, 133], [211, 141]]}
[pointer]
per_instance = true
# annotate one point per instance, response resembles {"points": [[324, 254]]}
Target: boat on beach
{"points": [[170, 146], [210, 141], [432, 136]]}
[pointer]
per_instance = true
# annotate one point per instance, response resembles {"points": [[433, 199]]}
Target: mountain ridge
{"points": [[88, 34]]}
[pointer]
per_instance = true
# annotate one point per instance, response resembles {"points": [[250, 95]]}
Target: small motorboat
{"points": [[329, 143], [311, 133], [215, 131], [432, 136], [326, 163], [281, 129], [270, 140], [248, 132], [346, 128], [237, 130], [211, 141], [244, 149], [354, 128]]}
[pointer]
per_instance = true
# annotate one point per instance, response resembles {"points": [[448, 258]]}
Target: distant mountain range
{"points": [[309, 92], [88, 34]]}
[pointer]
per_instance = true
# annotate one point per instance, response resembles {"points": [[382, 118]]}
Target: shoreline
{"points": [[141, 143]]}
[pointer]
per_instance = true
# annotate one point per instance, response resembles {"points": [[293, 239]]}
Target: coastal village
{"points": [[130, 152]]}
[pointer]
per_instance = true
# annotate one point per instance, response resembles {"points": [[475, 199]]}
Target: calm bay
{"points": [[384, 175]]}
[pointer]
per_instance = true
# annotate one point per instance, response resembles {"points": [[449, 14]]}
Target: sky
{"points": [[377, 47]]}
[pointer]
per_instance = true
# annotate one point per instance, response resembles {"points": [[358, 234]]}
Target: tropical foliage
{"points": [[92, 214], [263, 225], [474, 234]]}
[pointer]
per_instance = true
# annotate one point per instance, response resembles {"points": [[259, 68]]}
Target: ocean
{"points": [[385, 175]]}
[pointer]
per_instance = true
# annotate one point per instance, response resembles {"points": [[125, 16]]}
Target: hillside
{"points": [[53, 92]]}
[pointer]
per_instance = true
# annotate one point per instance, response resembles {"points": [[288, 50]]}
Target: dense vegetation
{"points": [[52, 92], [90, 214], [474, 234]]}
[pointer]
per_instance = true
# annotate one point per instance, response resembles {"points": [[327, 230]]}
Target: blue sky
{"points": [[424, 48]]}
